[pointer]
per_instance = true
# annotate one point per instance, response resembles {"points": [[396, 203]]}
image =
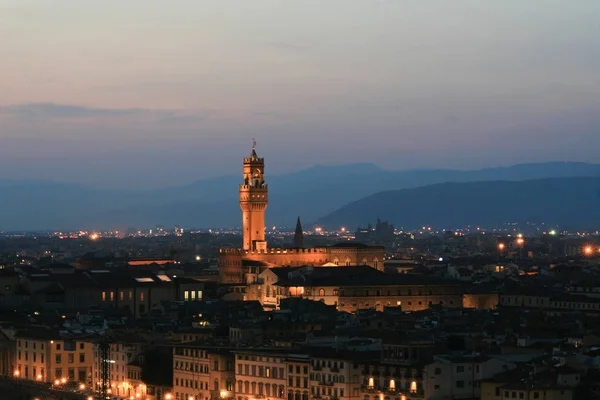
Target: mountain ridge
{"points": [[310, 193], [566, 201]]}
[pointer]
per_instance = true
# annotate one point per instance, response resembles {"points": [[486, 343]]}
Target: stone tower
{"points": [[253, 202]]}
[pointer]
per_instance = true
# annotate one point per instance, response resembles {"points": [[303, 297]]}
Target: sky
{"points": [[155, 93]]}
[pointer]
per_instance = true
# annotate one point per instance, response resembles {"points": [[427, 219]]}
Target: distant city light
{"points": [[553, 232], [588, 250]]}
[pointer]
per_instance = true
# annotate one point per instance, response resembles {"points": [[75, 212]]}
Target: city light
{"points": [[63, 380], [168, 396], [56, 382], [588, 250], [520, 241], [17, 373], [501, 246], [39, 377], [82, 387]]}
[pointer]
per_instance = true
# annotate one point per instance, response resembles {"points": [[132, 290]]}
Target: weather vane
{"points": [[253, 143]]}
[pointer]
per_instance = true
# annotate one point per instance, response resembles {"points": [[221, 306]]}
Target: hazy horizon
{"points": [[144, 94]]}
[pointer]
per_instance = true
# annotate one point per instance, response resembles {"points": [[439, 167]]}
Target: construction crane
{"points": [[104, 364]]}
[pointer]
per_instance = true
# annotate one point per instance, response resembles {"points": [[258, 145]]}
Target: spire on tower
{"points": [[253, 154], [299, 235]]}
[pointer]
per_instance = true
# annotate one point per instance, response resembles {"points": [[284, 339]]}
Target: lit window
{"points": [[103, 296], [186, 295]]}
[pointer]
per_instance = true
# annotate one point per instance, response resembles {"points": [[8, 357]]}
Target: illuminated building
{"points": [[200, 373], [243, 265], [45, 356]]}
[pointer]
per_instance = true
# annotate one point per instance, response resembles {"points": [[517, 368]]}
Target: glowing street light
{"points": [[168, 396], [81, 386], [520, 241], [17, 372], [63, 380], [588, 250]]}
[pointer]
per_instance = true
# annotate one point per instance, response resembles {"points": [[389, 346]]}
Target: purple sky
{"points": [[149, 93]]}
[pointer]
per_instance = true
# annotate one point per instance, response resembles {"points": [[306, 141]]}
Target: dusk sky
{"points": [[149, 93]]}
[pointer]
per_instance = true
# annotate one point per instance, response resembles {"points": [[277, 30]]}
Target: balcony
{"points": [[323, 383], [369, 389], [317, 368]]}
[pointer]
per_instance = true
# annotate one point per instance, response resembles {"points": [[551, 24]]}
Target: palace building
{"points": [[238, 266]]}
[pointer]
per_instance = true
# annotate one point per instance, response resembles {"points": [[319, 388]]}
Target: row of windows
{"points": [[196, 353], [299, 382], [317, 391], [260, 389], [58, 373], [274, 360], [25, 343], [111, 295], [194, 367], [194, 384], [298, 368], [254, 370], [70, 358], [191, 295]]}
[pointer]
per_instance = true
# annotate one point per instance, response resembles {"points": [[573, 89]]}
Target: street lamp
{"points": [[520, 242], [501, 247], [588, 250], [168, 396]]}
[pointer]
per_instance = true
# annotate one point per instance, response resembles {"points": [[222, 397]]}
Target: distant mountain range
{"points": [[571, 203], [311, 193]]}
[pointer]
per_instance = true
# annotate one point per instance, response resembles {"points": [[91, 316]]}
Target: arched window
{"points": [[321, 292], [347, 262], [336, 292], [375, 263], [364, 261], [336, 261]]}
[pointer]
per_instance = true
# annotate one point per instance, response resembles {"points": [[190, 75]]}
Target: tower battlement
{"points": [[252, 160]]}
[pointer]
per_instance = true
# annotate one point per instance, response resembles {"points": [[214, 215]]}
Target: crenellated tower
{"points": [[253, 202]]}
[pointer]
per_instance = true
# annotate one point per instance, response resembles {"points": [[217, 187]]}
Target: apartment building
{"points": [[46, 356], [261, 374], [459, 377], [202, 373]]}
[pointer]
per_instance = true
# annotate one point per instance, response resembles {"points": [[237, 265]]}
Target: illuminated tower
{"points": [[253, 201]]}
